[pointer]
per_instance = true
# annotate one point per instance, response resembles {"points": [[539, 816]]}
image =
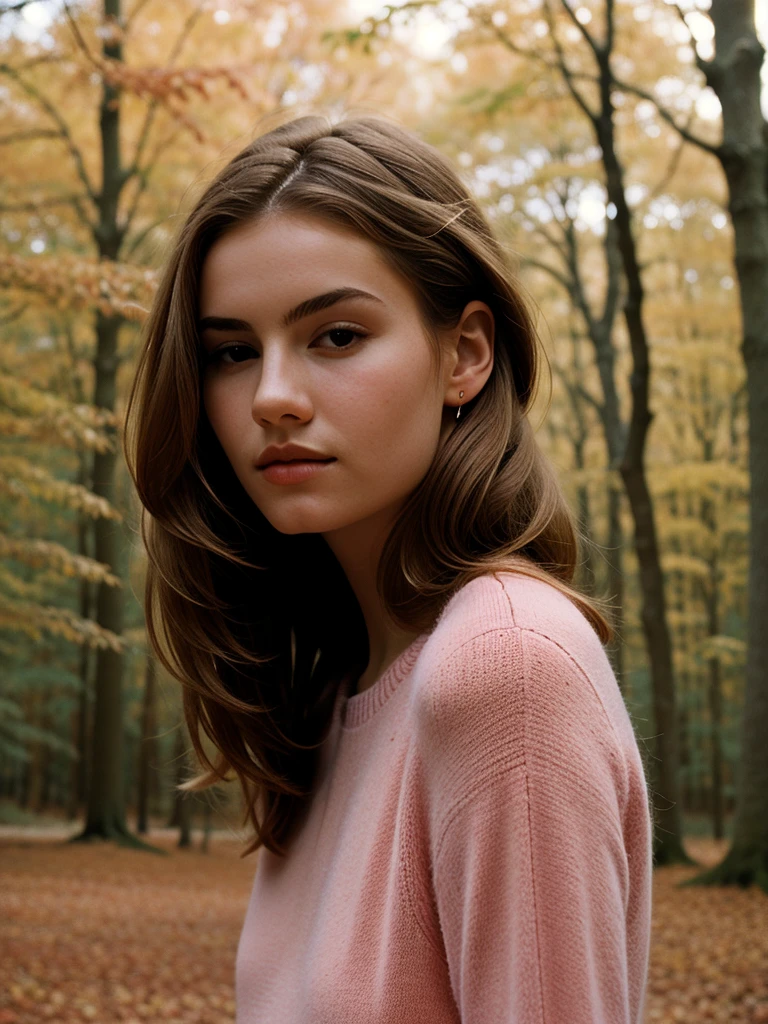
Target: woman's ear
{"points": [[470, 353]]}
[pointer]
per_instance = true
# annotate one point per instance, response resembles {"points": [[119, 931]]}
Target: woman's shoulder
{"points": [[513, 658], [510, 600]]}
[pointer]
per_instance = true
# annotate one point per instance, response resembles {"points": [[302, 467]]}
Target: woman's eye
{"points": [[235, 354], [342, 337]]}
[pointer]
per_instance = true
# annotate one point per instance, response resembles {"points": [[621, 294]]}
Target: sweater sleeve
{"points": [[531, 863]]}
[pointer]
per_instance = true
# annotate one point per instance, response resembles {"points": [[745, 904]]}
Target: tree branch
{"points": [[55, 116], [673, 164], [557, 275], [140, 5], [134, 166], [667, 116], [521, 51], [143, 179], [593, 44], [26, 136], [15, 314], [75, 29], [30, 207], [564, 69]]}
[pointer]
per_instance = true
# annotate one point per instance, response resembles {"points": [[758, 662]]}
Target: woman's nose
{"points": [[281, 390]]}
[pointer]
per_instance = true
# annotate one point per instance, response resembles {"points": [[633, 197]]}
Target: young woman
{"points": [[360, 569]]}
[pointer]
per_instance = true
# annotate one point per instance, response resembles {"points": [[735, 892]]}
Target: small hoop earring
{"points": [[458, 411]]}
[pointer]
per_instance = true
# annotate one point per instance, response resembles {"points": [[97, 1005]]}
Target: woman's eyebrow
{"points": [[305, 308]]}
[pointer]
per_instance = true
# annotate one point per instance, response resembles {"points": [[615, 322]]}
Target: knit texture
{"points": [[478, 848]]}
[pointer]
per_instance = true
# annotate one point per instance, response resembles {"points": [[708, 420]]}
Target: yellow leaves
{"points": [[70, 282], [697, 477], [689, 564], [44, 416], [49, 555], [35, 620], [728, 649], [21, 480]]}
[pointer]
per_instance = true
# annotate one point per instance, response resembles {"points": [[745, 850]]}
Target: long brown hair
{"points": [[258, 626]]}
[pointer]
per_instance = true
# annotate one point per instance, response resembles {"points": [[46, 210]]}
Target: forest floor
{"points": [[98, 934]]}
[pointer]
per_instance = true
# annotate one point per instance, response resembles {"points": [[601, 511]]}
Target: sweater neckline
{"points": [[360, 707]]}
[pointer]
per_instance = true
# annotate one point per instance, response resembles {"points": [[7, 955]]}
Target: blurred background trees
{"points": [[605, 146]]}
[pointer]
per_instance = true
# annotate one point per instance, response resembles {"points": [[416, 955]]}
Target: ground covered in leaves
{"points": [[105, 935]]}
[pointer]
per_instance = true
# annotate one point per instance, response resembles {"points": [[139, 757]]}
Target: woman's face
{"points": [[351, 379]]}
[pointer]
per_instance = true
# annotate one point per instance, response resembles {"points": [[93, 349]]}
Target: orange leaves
{"points": [[709, 948], [163, 84], [97, 933], [171, 87], [69, 282]]}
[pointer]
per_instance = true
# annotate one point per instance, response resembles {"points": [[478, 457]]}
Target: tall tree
{"points": [[733, 72]]}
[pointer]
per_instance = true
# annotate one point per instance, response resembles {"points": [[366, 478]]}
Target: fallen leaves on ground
{"points": [[709, 947], [102, 935]]}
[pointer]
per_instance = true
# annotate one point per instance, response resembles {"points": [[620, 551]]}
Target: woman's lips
{"points": [[295, 471]]}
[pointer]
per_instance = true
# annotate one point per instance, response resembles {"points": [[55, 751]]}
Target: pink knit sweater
{"points": [[479, 846]]}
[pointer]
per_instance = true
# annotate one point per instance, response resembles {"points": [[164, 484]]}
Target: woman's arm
{"points": [[542, 863]]}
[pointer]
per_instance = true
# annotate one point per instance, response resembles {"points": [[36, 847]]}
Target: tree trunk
{"points": [[185, 799], [147, 745], [616, 584], [179, 749], [34, 786], [185, 821], [79, 778], [205, 842], [668, 825], [734, 75], [105, 817]]}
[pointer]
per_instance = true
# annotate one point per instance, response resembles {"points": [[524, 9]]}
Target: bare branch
{"points": [[143, 178], [142, 235], [15, 314], [63, 127], [564, 68], [667, 116], [28, 136], [140, 5], [31, 206], [521, 51], [674, 163], [134, 166], [557, 275], [558, 244], [704, 66], [83, 45], [593, 44], [582, 392]]}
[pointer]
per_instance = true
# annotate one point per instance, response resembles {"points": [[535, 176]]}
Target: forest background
{"points": [[618, 148]]}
